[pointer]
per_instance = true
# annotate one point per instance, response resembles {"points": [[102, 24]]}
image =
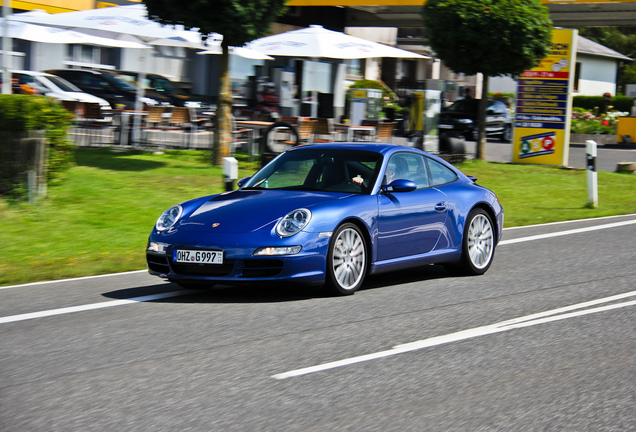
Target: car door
{"points": [[495, 117], [410, 223]]}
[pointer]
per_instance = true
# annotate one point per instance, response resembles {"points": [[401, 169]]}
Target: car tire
{"points": [[346, 260], [506, 135], [478, 243]]}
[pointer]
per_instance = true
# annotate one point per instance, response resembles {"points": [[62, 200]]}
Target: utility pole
{"points": [[7, 47]]}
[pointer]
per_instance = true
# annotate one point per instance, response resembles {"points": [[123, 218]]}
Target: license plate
{"points": [[197, 256], [445, 126]]}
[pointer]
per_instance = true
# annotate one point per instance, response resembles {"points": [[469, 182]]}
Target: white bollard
{"points": [[592, 175], [230, 172]]}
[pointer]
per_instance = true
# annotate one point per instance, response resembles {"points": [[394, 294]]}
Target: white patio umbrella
{"points": [[44, 34], [239, 51], [316, 41], [126, 20], [121, 23]]}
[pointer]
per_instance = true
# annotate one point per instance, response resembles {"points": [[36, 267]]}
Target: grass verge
{"points": [[99, 219]]}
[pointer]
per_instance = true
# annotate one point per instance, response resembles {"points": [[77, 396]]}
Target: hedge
{"points": [[28, 113], [592, 103]]}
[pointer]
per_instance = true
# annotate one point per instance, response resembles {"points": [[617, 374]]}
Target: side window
{"points": [[91, 81], [440, 174], [408, 166]]}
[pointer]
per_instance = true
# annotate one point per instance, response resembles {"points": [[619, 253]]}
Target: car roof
{"points": [[91, 71], [375, 147], [32, 73]]}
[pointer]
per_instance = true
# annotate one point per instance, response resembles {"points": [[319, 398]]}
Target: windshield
{"points": [[61, 83], [464, 105], [162, 85], [329, 170], [118, 83]]}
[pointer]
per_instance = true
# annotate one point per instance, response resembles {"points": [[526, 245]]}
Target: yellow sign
{"points": [[543, 109], [359, 94]]}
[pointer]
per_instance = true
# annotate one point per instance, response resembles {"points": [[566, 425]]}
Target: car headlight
{"points": [[169, 218], [277, 250], [293, 222]]}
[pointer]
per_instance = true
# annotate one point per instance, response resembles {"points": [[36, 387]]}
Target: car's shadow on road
{"points": [[267, 293]]}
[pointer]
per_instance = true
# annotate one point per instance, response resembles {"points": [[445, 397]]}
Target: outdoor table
{"points": [[126, 124], [352, 129]]}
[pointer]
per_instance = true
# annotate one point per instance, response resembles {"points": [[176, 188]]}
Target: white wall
{"points": [[171, 62], [598, 75], [47, 56]]}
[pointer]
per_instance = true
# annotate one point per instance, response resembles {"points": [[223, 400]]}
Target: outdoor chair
{"points": [[305, 130], [384, 132], [323, 131], [242, 138], [182, 120], [292, 120], [153, 122]]}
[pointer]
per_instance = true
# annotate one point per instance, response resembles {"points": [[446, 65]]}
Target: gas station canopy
{"points": [[406, 13]]}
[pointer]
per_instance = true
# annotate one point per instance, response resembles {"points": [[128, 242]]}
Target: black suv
{"points": [[461, 117], [108, 85], [166, 88]]}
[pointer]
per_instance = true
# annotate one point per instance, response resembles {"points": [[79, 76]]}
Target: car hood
{"points": [[246, 211], [83, 97]]}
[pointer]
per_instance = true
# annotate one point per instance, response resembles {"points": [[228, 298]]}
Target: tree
{"points": [[239, 21], [491, 37]]}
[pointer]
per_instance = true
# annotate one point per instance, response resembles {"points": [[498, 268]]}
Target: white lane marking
{"points": [[526, 321], [568, 232], [502, 242], [92, 306], [176, 293], [74, 279], [568, 222]]}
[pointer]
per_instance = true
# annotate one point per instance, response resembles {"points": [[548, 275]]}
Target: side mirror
{"points": [[400, 185], [242, 181]]}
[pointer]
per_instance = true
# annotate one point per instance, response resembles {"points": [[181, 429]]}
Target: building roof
{"points": [[586, 46]]}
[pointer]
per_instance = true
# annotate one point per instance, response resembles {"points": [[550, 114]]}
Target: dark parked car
{"points": [[461, 117], [108, 85], [166, 88], [330, 214]]}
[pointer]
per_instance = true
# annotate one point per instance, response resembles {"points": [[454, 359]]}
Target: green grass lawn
{"points": [[98, 220]]}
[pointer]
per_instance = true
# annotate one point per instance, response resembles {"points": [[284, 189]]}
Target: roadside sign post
{"points": [[544, 105], [592, 175]]}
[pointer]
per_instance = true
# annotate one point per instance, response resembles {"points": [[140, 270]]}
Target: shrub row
{"points": [[28, 113], [592, 103]]}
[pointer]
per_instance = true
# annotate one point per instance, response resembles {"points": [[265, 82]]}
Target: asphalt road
{"points": [[544, 341]]}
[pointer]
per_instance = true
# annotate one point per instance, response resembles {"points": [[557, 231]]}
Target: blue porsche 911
{"points": [[330, 214]]}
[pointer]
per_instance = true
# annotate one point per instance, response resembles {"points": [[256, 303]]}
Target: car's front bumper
{"points": [[240, 265]]}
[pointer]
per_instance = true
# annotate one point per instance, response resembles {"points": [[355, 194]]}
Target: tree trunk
{"points": [[223, 129], [481, 114]]}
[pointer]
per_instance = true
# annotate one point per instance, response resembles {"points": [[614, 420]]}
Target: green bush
{"points": [[592, 103], [25, 113]]}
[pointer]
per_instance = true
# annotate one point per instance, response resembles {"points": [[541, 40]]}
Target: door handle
{"points": [[440, 206]]}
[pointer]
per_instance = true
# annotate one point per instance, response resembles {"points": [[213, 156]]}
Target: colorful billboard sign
{"points": [[544, 105]]}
